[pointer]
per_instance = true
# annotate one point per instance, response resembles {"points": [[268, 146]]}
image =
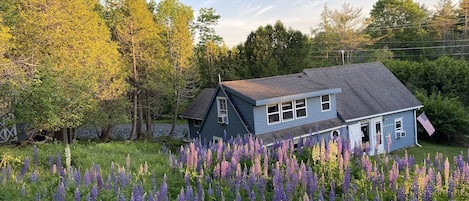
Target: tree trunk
{"points": [[133, 132], [140, 134], [106, 133], [175, 117], [148, 118], [64, 136]]}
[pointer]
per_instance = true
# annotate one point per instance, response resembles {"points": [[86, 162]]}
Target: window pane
{"points": [[398, 125], [301, 113], [300, 103], [274, 118], [325, 98], [288, 115], [272, 108], [287, 105], [326, 106]]}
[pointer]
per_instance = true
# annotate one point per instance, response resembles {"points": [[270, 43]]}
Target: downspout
{"points": [[415, 129]]}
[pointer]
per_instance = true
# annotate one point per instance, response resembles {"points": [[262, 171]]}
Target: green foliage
{"points": [[448, 116]]}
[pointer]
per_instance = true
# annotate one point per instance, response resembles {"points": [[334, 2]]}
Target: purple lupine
{"points": [[25, 167], [87, 178], [163, 192], [94, 193], [59, 194], [428, 193], [34, 177], [189, 193], [97, 173], [401, 194], [77, 177], [38, 196], [137, 192], [346, 182], [77, 195], [451, 187], [181, 196], [332, 192], [209, 190], [200, 191], [122, 197]]}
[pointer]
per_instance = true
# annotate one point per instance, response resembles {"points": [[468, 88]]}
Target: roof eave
{"points": [[384, 113]]}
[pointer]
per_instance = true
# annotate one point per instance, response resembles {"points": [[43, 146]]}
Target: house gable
{"points": [[212, 126]]}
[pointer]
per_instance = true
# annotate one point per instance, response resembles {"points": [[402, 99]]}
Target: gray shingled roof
{"points": [[198, 107], [277, 86], [297, 131], [367, 89]]}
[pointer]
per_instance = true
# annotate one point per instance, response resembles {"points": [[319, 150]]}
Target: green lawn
{"points": [[419, 153]]}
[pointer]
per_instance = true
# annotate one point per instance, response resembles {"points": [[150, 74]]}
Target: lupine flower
{"points": [[332, 192], [59, 194], [25, 167], [33, 177], [94, 193], [189, 193], [77, 195], [163, 192]]}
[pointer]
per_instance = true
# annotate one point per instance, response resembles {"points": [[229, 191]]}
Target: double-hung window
{"points": [[273, 113], [300, 108], [398, 128], [222, 108], [287, 111], [325, 103]]}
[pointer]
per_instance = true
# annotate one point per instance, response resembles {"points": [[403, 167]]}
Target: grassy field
{"points": [[420, 153]]}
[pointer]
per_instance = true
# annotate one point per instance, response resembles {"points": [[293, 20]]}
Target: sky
{"points": [[240, 17]]}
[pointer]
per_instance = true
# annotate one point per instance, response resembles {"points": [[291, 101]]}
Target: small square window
{"points": [[273, 113]]}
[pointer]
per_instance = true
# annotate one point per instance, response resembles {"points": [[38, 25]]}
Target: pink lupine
{"points": [[438, 181], [446, 171]]}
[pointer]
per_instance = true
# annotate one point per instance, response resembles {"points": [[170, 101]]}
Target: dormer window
{"points": [[325, 103], [273, 113], [286, 111], [300, 107]]}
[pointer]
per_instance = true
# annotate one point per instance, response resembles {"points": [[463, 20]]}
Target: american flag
{"points": [[422, 118]]}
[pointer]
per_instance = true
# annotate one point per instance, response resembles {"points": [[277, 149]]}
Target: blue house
{"points": [[364, 103]]}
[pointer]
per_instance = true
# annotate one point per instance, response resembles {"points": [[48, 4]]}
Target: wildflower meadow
{"points": [[235, 169]]}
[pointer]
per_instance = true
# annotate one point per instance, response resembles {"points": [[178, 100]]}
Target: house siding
{"points": [[408, 123], [211, 127], [314, 114], [192, 129], [245, 110]]}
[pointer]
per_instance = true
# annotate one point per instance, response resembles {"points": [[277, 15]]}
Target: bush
{"points": [[448, 115]]}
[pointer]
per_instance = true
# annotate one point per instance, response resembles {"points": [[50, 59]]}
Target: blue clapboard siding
{"points": [[408, 123], [211, 127], [314, 114], [245, 110]]}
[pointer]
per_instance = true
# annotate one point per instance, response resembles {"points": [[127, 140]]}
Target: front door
{"points": [[376, 135]]}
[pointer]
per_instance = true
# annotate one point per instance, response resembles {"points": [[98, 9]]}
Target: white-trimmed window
{"points": [[300, 108], [399, 128], [325, 103], [222, 108], [273, 113], [287, 111]]}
